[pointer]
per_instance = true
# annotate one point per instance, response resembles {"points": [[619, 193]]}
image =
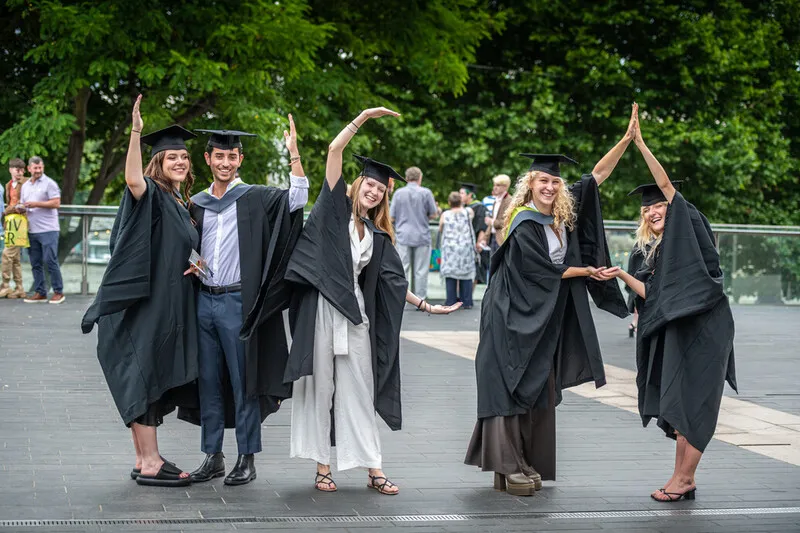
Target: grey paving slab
{"points": [[64, 453]]}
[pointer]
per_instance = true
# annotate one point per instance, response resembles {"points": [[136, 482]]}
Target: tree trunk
{"points": [[77, 139], [112, 165]]}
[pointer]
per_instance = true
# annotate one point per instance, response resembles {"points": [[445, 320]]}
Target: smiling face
{"points": [[176, 165], [655, 215], [544, 188], [370, 193], [36, 170], [224, 163]]}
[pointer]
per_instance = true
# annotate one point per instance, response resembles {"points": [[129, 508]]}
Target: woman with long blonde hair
{"points": [[349, 296], [684, 343], [145, 308], [537, 335]]}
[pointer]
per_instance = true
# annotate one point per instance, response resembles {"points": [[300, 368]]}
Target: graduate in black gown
{"points": [[349, 293], [145, 306], [684, 344], [246, 236], [537, 335], [635, 259]]}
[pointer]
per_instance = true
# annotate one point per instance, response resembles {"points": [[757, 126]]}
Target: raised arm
{"points": [[658, 172], [134, 177], [333, 166], [298, 186], [294, 153], [606, 165]]}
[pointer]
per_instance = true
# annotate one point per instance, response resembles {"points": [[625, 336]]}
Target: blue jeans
{"points": [[458, 290], [44, 249]]}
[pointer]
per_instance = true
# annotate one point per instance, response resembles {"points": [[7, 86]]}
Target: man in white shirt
{"points": [[246, 232], [41, 197]]}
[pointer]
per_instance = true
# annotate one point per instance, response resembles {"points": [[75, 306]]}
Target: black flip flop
{"points": [[168, 475], [136, 472]]}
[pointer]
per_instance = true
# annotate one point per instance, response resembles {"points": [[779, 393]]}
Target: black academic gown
{"points": [[537, 336], [684, 348], [145, 308], [267, 233], [479, 225], [321, 263], [635, 260], [528, 308]]}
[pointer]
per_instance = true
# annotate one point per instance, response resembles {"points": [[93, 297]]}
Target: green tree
{"points": [[717, 82], [75, 68]]}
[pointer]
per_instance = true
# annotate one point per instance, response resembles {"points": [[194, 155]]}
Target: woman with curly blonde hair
{"points": [[537, 336]]}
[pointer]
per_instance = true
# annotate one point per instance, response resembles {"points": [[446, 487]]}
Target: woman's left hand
{"points": [[633, 125], [442, 309], [605, 273], [291, 137]]}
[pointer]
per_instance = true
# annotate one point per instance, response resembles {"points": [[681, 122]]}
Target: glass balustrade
{"points": [[761, 263]]}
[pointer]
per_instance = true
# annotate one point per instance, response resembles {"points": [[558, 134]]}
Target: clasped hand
{"points": [[603, 273]]}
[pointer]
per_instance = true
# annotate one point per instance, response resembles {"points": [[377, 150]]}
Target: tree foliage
{"points": [[476, 82]]}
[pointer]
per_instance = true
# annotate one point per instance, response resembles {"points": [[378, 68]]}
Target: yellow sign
{"points": [[16, 228]]}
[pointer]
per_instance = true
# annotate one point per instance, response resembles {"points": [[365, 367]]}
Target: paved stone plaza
{"points": [[65, 455]]}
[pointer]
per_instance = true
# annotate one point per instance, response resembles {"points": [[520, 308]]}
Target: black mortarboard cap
{"points": [[651, 193], [470, 187], [548, 163], [377, 170], [226, 139], [170, 138]]}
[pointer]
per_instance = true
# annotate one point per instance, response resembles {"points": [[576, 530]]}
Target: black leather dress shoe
{"points": [[244, 471], [213, 466]]}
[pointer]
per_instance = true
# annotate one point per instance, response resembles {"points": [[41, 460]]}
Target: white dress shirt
{"points": [[220, 244]]}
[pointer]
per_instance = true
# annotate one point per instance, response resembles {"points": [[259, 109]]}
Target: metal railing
{"points": [[87, 213]]}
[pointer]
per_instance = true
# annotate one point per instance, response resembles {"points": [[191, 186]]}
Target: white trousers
{"points": [[416, 267], [350, 376]]}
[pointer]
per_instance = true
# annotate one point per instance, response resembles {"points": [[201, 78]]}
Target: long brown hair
{"points": [[155, 172], [379, 215]]}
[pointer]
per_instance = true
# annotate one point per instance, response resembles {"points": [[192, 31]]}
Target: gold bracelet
{"points": [[294, 160]]}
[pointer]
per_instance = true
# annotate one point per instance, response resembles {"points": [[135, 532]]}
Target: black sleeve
{"points": [[322, 258], [687, 278], [594, 247]]}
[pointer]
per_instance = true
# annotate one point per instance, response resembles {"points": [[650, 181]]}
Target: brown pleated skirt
{"points": [[518, 443]]}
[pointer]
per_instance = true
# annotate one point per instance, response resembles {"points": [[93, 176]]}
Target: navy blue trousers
{"points": [[220, 318]]}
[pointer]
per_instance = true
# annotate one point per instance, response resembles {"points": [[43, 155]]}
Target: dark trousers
{"points": [[458, 290], [220, 318], [44, 250]]}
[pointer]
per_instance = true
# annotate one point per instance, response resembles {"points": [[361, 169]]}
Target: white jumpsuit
{"points": [[342, 363]]}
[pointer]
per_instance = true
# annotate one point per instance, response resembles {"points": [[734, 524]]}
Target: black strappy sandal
{"points": [[382, 487], [688, 495], [326, 479]]}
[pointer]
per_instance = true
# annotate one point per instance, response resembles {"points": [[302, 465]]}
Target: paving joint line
{"points": [[417, 518]]}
